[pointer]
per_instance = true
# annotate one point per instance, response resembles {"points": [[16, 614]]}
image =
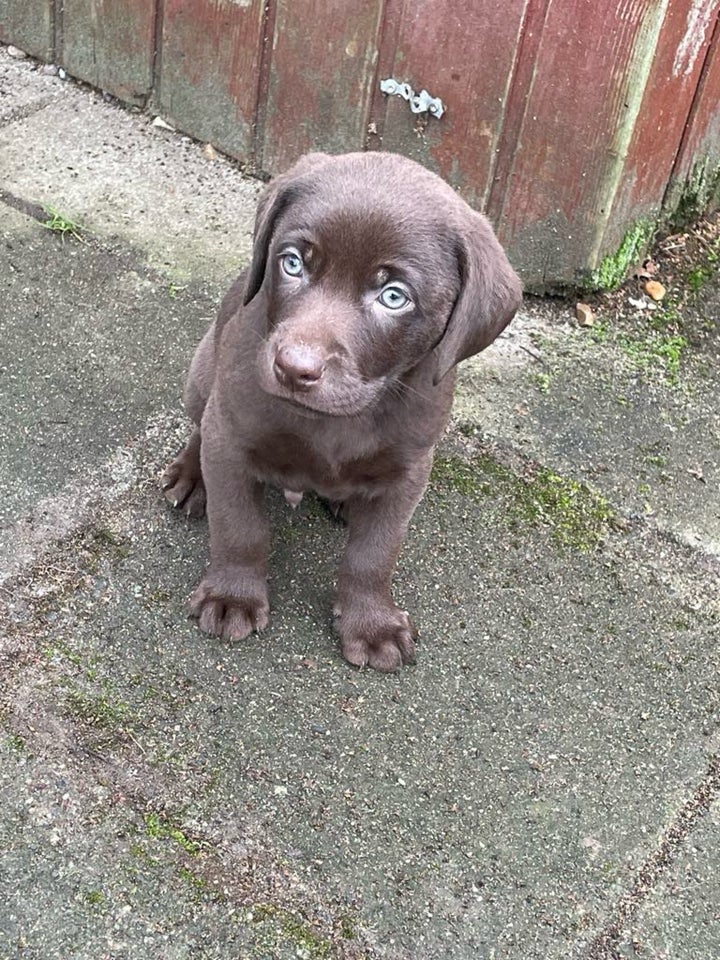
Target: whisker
{"points": [[405, 388]]}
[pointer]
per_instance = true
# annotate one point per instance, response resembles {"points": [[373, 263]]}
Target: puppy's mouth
{"points": [[301, 407], [319, 405], [332, 391]]}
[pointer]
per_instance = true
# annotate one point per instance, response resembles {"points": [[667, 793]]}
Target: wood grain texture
{"points": [[209, 65], [464, 53], [566, 121], [682, 47], [697, 163], [580, 109], [321, 76], [29, 25], [110, 44]]}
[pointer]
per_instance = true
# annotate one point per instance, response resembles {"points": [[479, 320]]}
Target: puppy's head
{"points": [[370, 265]]}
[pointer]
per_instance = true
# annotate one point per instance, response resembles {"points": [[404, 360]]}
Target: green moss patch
{"points": [[614, 268], [279, 927], [95, 899], [97, 710], [657, 351], [156, 827], [700, 193], [577, 516]]}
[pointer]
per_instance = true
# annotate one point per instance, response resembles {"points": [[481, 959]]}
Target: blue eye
{"points": [[292, 263], [394, 298]]}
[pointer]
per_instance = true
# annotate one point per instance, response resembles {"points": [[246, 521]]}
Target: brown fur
{"points": [[310, 381]]}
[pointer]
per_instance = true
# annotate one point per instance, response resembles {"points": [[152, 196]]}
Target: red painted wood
{"points": [[210, 62], [677, 64], [565, 120], [464, 53], [110, 44], [527, 52], [700, 148], [387, 44], [28, 24], [591, 63], [321, 78]]}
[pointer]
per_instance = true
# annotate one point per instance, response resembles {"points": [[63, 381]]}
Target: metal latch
{"points": [[419, 102]]}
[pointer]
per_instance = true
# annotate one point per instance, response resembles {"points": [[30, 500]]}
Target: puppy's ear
{"points": [[490, 294], [282, 192]]}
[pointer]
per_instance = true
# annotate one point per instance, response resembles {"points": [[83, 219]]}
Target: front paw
{"points": [[376, 634], [231, 603]]}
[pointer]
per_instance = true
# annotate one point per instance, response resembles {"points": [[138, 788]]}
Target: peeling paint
{"points": [[698, 21], [635, 82]]}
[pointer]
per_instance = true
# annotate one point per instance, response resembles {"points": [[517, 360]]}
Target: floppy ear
{"points": [[490, 294], [280, 194]]}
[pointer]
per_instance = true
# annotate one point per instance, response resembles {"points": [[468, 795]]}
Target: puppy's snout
{"points": [[298, 366]]}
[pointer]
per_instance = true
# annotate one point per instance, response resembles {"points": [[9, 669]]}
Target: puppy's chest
{"points": [[336, 472]]}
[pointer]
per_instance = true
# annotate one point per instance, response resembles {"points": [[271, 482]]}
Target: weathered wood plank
{"points": [[323, 60], [695, 179], [462, 52], [28, 25], [209, 68], [658, 132], [579, 112], [110, 44]]}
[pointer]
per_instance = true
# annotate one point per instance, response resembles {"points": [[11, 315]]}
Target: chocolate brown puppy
{"points": [[330, 368]]}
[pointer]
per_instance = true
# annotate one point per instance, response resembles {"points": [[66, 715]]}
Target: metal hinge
{"points": [[419, 102]]}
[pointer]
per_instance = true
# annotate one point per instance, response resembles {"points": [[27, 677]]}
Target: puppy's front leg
{"points": [[373, 630], [231, 600]]}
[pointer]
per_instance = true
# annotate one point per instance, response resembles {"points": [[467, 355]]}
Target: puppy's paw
{"points": [[378, 636], [231, 604], [182, 484]]}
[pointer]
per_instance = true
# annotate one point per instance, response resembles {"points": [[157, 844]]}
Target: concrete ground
{"points": [[542, 785]]}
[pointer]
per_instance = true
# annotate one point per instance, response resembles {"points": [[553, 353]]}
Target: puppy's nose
{"points": [[298, 366]]}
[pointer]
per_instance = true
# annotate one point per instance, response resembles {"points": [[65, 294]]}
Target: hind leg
{"points": [[182, 481]]}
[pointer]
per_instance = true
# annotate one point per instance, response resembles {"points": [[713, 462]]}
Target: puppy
{"points": [[330, 368]]}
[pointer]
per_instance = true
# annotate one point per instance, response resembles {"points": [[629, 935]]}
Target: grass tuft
{"points": [[59, 223]]}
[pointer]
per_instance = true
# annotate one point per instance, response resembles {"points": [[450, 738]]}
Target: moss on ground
{"points": [[280, 927], [614, 267], [156, 827], [577, 516], [101, 710]]}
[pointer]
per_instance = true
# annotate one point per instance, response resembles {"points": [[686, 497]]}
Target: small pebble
{"points": [[654, 289], [209, 152], [16, 53], [584, 315], [162, 124], [49, 70]]}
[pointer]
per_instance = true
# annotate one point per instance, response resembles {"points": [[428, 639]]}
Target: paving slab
{"points": [[493, 801], [681, 918], [612, 416], [25, 90], [94, 343], [109, 169]]}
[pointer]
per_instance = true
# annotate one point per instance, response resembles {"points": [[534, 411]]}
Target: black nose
{"points": [[298, 366]]}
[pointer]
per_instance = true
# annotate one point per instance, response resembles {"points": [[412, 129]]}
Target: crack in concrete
{"points": [[25, 111], [606, 944], [33, 210]]}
